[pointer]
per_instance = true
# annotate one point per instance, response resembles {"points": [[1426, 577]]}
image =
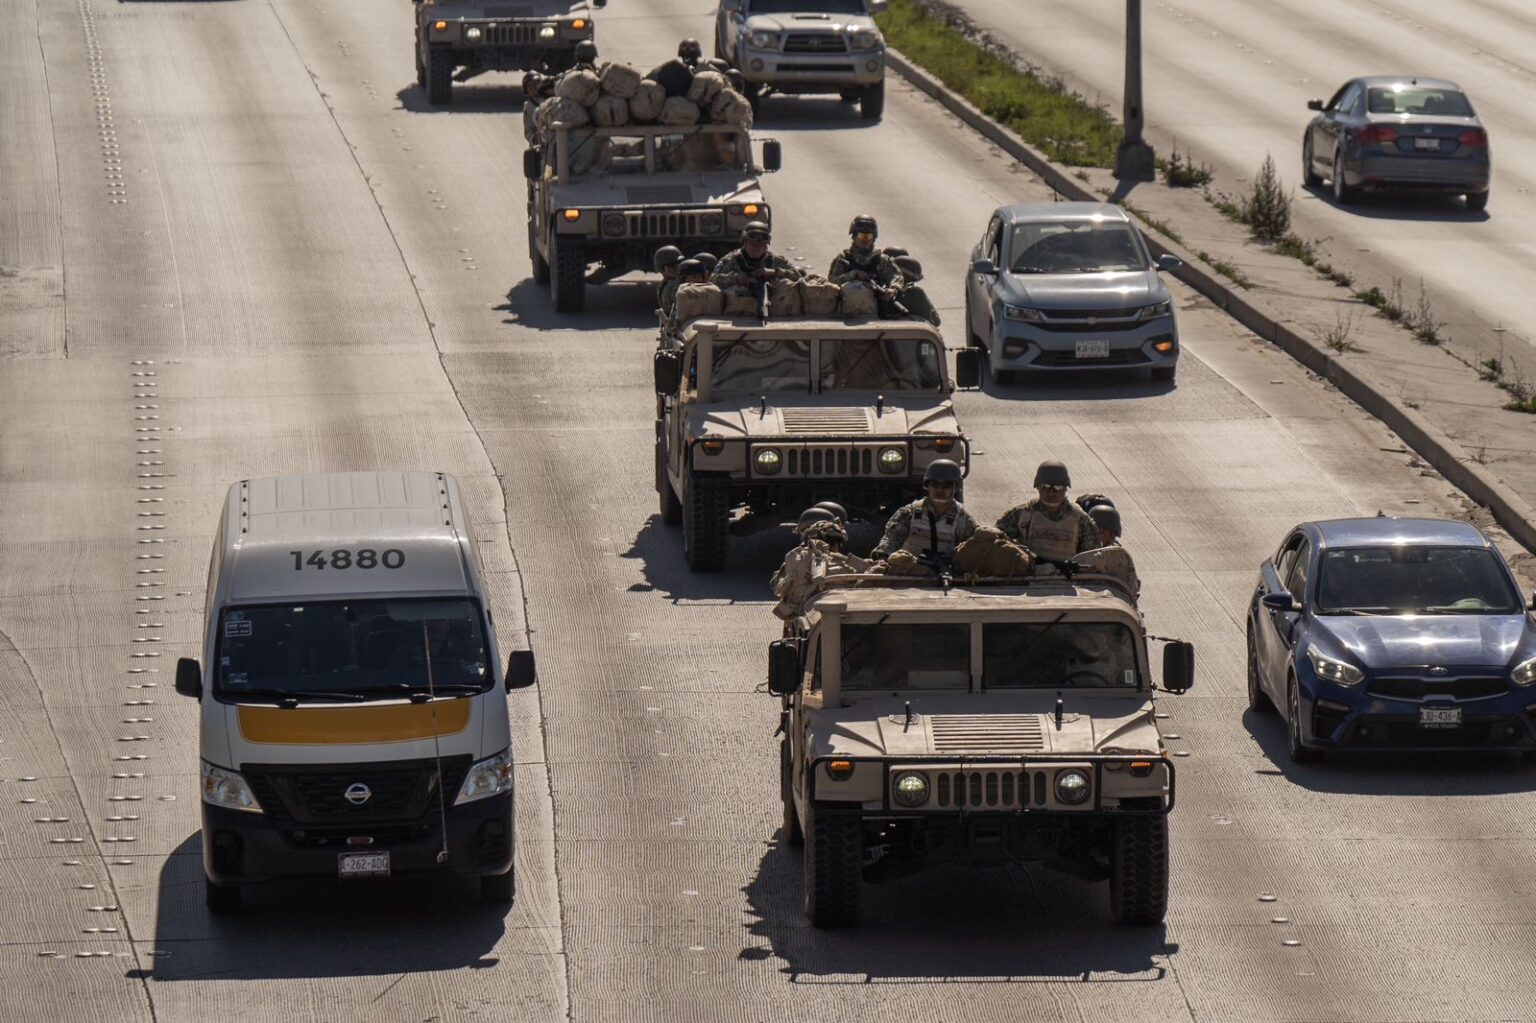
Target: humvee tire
{"points": [[568, 276], [498, 888], [872, 102], [671, 507], [222, 898], [834, 861], [421, 69], [439, 76], [1138, 880], [706, 524], [793, 836], [536, 258]]}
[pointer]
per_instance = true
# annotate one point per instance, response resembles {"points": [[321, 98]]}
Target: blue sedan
{"points": [[1393, 634]]}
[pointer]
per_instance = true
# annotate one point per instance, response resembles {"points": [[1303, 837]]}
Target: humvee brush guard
{"points": [[984, 721]]}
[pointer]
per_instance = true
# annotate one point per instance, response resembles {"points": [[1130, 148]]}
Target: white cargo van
{"points": [[354, 715]]}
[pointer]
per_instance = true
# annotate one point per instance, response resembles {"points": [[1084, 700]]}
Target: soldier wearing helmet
{"points": [[747, 270], [838, 511], [585, 55], [1048, 524], [820, 553], [709, 261], [690, 271], [666, 261], [933, 524], [1110, 558], [861, 261]]}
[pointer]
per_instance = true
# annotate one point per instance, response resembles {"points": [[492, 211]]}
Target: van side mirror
{"points": [[773, 155], [1169, 263], [1280, 600], [1314, 104], [783, 666], [189, 678], [533, 164], [968, 368], [668, 370], [521, 672], [1179, 667], [984, 266]]}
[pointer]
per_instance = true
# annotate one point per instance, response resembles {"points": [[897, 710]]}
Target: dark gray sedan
{"points": [[1397, 132]]}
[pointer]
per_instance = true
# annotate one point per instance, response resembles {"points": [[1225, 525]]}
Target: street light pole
{"points": [[1135, 160]]}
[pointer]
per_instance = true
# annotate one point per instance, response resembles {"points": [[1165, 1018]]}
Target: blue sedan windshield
{"points": [[1414, 580]]}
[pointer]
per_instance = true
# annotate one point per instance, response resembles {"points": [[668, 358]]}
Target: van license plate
{"points": [[1439, 717], [373, 864], [1093, 349]]}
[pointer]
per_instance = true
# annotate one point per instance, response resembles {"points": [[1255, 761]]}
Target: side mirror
{"points": [[783, 666], [1533, 600], [189, 678], [1169, 263], [533, 164], [521, 672], [1280, 600], [984, 266], [667, 367], [1179, 667], [968, 368], [878, 6], [599, 3], [773, 155], [1314, 104]]}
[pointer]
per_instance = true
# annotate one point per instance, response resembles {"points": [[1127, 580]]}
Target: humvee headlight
{"points": [[613, 224], [473, 34], [1072, 787], [892, 460], [571, 214], [768, 461], [910, 790], [547, 31], [711, 223], [579, 24]]}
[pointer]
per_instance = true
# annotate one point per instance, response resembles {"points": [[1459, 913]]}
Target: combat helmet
{"points": [[585, 52], [756, 229], [942, 470], [810, 517], [1052, 474], [863, 224], [689, 49], [1088, 502], [668, 255], [838, 511], [1105, 516], [691, 268], [708, 260]]}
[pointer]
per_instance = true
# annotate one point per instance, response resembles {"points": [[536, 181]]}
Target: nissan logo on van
{"points": [[357, 793]]}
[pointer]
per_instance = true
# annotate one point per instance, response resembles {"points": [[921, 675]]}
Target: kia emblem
{"points": [[357, 793], [1437, 670]]}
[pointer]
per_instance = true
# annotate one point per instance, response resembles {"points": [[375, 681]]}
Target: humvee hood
{"points": [[809, 21], [948, 726], [810, 420], [669, 189]]}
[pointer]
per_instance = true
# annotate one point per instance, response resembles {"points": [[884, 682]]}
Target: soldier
{"points": [[819, 554], [709, 261], [536, 89], [1111, 557], [861, 261], [747, 270], [1052, 527], [690, 271], [931, 525], [585, 56], [666, 262], [838, 511], [912, 296]]}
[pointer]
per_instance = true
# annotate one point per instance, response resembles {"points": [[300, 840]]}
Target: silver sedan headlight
{"points": [[1156, 310], [490, 777], [228, 789], [1022, 312], [1073, 787], [910, 790], [762, 40]]}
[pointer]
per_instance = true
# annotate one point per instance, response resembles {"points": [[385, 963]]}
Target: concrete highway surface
{"points": [[1229, 82], [234, 241]]}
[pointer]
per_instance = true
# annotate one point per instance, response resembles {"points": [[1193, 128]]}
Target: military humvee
{"points": [[613, 196], [773, 416], [979, 721], [484, 35]]}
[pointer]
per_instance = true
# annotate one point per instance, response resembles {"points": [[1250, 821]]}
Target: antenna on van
{"points": [[437, 750]]}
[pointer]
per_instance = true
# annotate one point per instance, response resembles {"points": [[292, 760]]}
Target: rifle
{"points": [[942, 564]]}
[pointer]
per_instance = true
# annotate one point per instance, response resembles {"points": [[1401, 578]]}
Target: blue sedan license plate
{"points": [[1439, 717], [372, 864], [1093, 349]]}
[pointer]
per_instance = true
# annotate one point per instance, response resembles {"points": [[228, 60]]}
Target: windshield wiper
{"points": [[293, 697], [420, 692], [1033, 270]]}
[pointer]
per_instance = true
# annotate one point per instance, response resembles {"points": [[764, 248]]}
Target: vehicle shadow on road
{"points": [[752, 559], [1102, 385], [1419, 773], [624, 305], [808, 113], [320, 928], [983, 925], [467, 99], [1402, 206]]}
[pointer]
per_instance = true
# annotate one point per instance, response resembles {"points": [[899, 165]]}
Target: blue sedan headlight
{"points": [[1333, 669], [1524, 673], [1022, 312]]}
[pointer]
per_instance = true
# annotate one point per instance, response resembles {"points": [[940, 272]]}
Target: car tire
{"points": [[568, 276], [793, 835], [1309, 175], [1258, 700], [706, 524], [1477, 202], [849, 96], [439, 76], [972, 339], [1343, 194], [834, 867], [999, 377], [536, 258], [222, 898], [498, 889], [421, 67], [1298, 753], [872, 101], [1165, 373], [671, 508], [1138, 877]]}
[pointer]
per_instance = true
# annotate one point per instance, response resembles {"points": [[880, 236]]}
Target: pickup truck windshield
{"points": [[357, 646], [1043, 655], [901, 655], [806, 7]]}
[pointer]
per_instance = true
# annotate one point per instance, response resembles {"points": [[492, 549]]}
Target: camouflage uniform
{"points": [[880, 267], [1051, 536], [1115, 561], [917, 528], [738, 262], [666, 295], [806, 565]]}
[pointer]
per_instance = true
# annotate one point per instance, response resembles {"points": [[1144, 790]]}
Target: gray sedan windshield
{"points": [[807, 7], [1414, 580], [1073, 246]]}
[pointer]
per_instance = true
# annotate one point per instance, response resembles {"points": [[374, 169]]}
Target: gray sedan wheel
{"points": [[1343, 194], [1309, 175]]}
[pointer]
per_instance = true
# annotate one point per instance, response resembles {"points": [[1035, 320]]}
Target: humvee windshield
{"points": [[889, 364], [1022, 655], [888, 655], [701, 151], [618, 154]]}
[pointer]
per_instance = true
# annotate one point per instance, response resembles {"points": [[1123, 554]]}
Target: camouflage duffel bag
{"points": [[678, 110], [731, 107], [561, 110], [818, 296], [857, 299], [992, 555], [610, 112], [620, 80], [695, 300], [645, 105], [739, 303], [582, 86], [706, 86], [784, 297]]}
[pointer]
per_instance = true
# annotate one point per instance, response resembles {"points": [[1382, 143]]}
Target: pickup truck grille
{"points": [[815, 42]]}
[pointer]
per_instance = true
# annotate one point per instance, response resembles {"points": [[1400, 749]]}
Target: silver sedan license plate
{"points": [[370, 864], [1093, 349], [1426, 143], [1439, 717]]}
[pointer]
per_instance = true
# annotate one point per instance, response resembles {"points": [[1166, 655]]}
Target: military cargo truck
{"points": [[768, 417], [613, 196], [806, 46], [984, 721], [483, 35]]}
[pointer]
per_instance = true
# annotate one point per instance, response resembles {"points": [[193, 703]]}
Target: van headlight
{"points": [[228, 789], [910, 790], [1524, 673], [768, 461], [490, 777], [1072, 787], [1332, 669]]}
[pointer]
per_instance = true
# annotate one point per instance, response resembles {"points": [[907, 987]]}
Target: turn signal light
{"points": [[571, 214], [944, 444], [840, 770], [440, 26], [750, 209], [712, 447], [1141, 768], [579, 24], [1163, 347]]}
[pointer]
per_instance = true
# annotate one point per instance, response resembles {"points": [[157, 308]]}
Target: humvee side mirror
{"points": [[668, 369], [1179, 667], [189, 678], [1314, 104], [984, 266], [968, 368], [521, 672], [533, 164], [783, 667], [773, 155]]}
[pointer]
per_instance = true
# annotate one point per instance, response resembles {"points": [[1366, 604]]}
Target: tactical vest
{"points": [[936, 534], [1049, 540]]}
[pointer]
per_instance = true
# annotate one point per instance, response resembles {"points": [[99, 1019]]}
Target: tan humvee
{"points": [[982, 721], [774, 416]]}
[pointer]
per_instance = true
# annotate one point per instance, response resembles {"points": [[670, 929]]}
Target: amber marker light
{"points": [[1163, 346], [944, 444], [440, 26], [571, 214], [713, 446], [750, 209], [839, 770], [1141, 768], [579, 24]]}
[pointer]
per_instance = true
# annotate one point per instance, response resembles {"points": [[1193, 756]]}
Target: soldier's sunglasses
{"points": [[1052, 487], [940, 484], [864, 236]]}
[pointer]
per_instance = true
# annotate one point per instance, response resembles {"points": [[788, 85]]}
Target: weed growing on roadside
{"points": [[1181, 172], [1227, 206], [1388, 305], [1297, 248], [1267, 207], [1421, 319], [1339, 338], [1491, 369], [1227, 270], [1339, 277], [1160, 226]]}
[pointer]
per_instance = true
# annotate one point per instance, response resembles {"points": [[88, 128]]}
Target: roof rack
{"points": [[1092, 580]]}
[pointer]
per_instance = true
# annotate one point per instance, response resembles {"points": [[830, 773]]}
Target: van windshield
{"points": [[355, 648]]}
